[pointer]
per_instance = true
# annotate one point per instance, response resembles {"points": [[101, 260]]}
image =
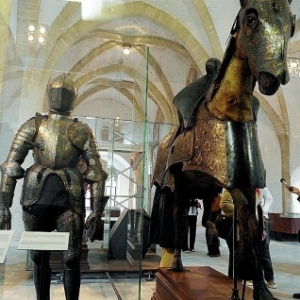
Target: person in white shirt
{"points": [[265, 199], [295, 191]]}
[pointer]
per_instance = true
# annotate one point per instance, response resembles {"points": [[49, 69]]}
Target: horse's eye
{"points": [[250, 19]]}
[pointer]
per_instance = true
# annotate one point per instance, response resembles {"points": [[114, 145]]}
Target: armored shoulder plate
{"points": [[12, 169], [79, 134], [38, 119]]}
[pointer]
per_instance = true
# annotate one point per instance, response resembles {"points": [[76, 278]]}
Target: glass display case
{"points": [[127, 140], [128, 152]]}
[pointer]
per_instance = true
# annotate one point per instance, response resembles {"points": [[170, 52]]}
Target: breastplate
{"points": [[55, 151]]}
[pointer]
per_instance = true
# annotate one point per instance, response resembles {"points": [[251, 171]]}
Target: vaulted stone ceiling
{"points": [[180, 36]]}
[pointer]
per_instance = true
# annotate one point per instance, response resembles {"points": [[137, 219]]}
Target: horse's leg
{"points": [[249, 254], [180, 219], [179, 226], [245, 256], [211, 232], [260, 290]]}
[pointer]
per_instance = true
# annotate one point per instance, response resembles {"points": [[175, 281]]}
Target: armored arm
{"points": [[11, 169], [95, 176]]}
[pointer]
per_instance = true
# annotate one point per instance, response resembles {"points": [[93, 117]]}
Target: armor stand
{"points": [[43, 282], [235, 290], [43, 273]]}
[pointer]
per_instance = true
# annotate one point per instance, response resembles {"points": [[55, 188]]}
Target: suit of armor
{"points": [[53, 190]]}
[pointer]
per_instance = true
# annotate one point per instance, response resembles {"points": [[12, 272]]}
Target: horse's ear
{"points": [[290, 1], [243, 2]]}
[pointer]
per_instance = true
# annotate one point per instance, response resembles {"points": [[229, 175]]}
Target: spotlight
{"points": [[42, 34], [31, 34], [30, 38], [41, 40], [42, 29], [31, 28]]}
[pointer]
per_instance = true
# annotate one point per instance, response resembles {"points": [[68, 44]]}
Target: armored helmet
{"points": [[61, 94]]}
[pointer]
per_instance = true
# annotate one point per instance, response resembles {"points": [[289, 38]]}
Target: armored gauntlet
{"points": [[98, 202], [6, 196], [94, 224]]}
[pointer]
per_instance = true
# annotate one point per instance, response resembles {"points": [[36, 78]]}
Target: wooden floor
{"points": [[203, 283]]}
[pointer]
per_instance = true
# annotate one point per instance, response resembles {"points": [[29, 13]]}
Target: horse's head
{"points": [[262, 30]]}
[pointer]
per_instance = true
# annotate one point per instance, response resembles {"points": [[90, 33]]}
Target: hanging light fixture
{"points": [[126, 48]]}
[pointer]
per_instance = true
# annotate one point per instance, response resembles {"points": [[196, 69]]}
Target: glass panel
{"points": [[2, 277], [129, 147], [121, 145]]}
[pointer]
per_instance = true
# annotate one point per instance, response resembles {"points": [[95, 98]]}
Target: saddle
{"points": [[190, 97]]}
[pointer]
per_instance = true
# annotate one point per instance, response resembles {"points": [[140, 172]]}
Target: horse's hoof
{"points": [[177, 266], [262, 293]]}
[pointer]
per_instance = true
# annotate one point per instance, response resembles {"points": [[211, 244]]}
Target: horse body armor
{"points": [[227, 151]]}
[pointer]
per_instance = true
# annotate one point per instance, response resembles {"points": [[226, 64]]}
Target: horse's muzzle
{"points": [[269, 84]]}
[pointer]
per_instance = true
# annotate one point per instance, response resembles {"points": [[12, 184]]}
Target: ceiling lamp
{"points": [[31, 35], [37, 34], [126, 49]]}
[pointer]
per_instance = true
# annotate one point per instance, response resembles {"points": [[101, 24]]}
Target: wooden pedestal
{"points": [[282, 225], [203, 283]]}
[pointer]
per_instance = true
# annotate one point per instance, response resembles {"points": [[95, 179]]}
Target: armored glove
{"points": [[5, 219], [6, 196], [93, 223]]}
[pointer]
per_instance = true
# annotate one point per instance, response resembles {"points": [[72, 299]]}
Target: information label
{"points": [[5, 239], [38, 240]]}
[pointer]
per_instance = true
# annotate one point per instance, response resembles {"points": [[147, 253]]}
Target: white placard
{"points": [[38, 240], [5, 239]]}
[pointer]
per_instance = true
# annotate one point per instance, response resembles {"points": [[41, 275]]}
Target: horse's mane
{"points": [[225, 62], [229, 52]]}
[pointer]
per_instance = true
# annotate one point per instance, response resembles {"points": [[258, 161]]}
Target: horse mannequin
{"points": [[222, 147]]}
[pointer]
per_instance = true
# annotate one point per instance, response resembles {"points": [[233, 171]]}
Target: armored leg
{"points": [[72, 278], [41, 274], [73, 223], [41, 269], [72, 275]]}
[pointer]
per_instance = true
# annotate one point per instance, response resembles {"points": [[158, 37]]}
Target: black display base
{"points": [[99, 264], [56, 260]]}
